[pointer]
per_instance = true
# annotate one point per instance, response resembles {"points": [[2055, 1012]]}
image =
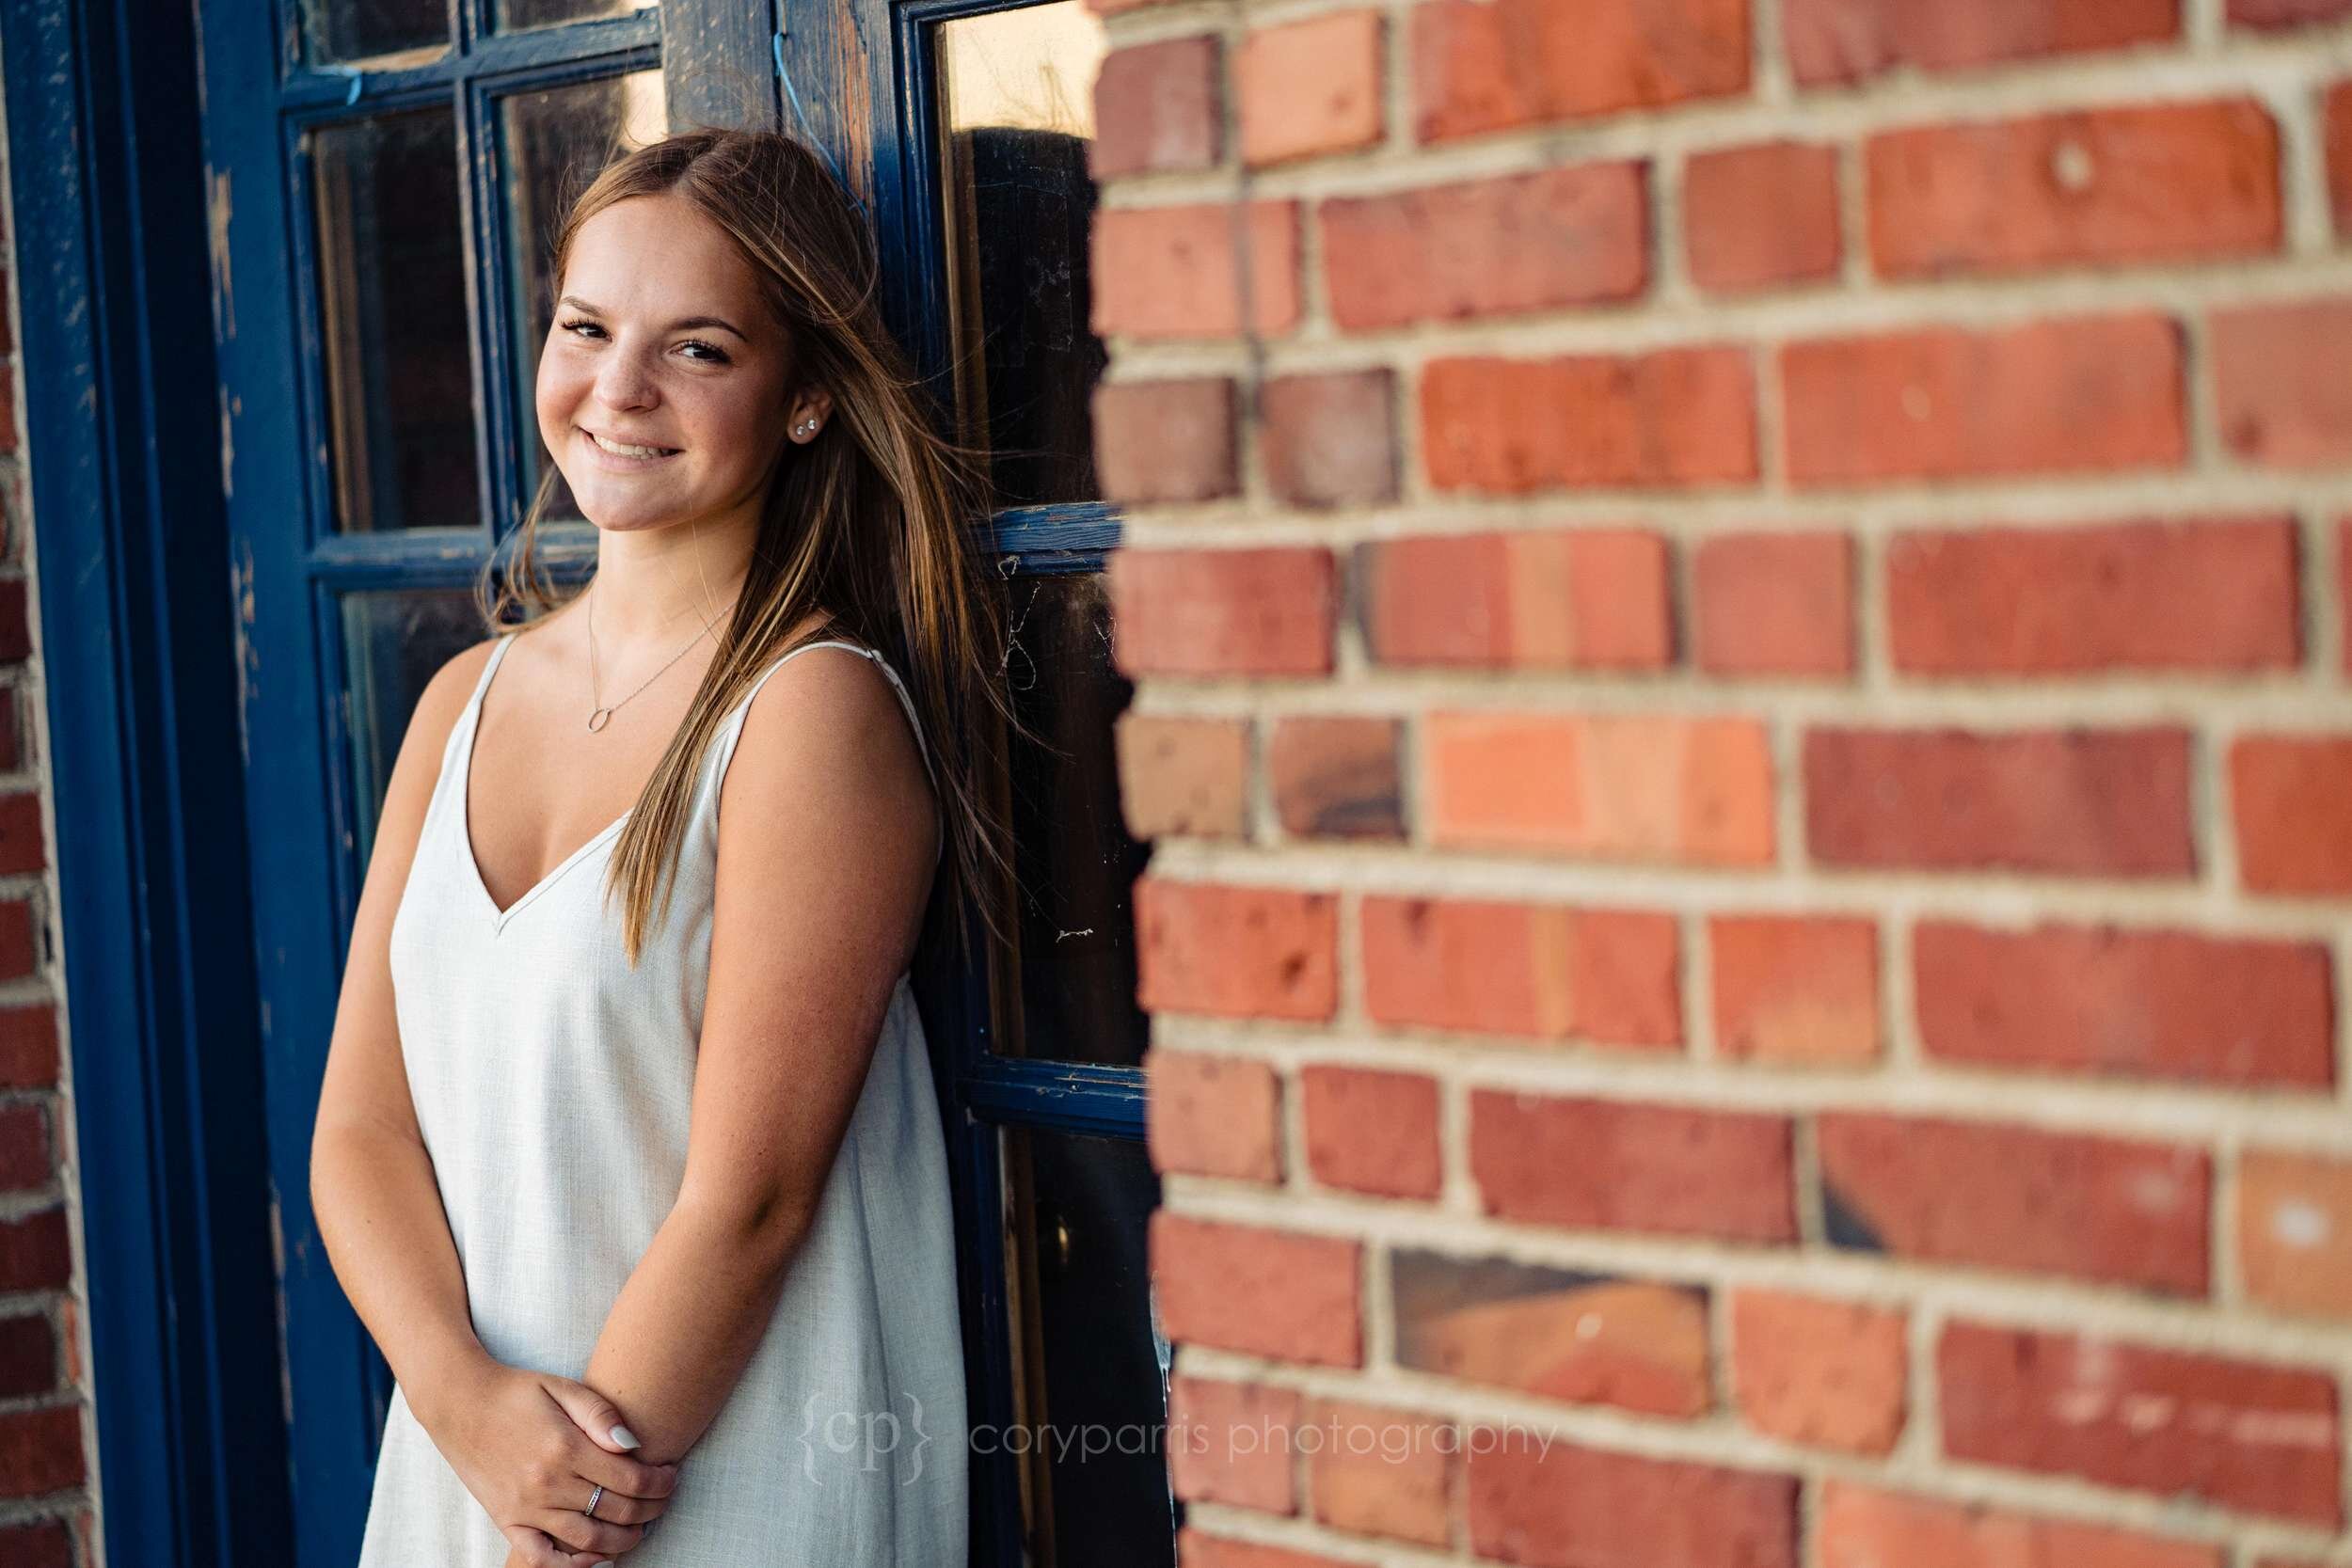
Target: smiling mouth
{"points": [[622, 448]]}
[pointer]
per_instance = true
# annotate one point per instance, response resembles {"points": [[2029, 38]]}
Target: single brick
{"points": [[1795, 990], [2295, 1231], [1857, 1527], [1240, 952], [1542, 1502], [2213, 594], [1827, 1374], [16, 626], [33, 1252], [1678, 416], [2138, 1004], [2336, 128], [2286, 13], [28, 1355], [1372, 1132], [1177, 272], [2344, 590], [1260, 1292], [2173, 182], [41, 1544], [2245, 1434], [1156, 109], [1761, 215], [1233, 1443], [1547, 971], [1848, 40], [1337, 777], [1213, 1115], [26, 1157], [2291, 800], [40, 1451], [1569, 235], [2079, 802], [1592, 598], [1181, 777], [28, 1046], [2280, 394], [1585, 1338], [1775, 604], [1196, 1549], [1164, 441], [2111, 1210], [1309, 87], [1491, 65], [1693, 791], [1377, 1471], [1330, 440], [2077, 395], [1266, 611], [23, 845], [1600, 1164]]}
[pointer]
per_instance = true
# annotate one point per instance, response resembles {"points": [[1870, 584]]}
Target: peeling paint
{"points": [[217, 217]]}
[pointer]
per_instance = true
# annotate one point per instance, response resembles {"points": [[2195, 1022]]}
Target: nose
{"points": [[624, 382]]}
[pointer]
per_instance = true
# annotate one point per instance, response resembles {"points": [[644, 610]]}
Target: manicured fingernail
{"points": [[628, 1439]]}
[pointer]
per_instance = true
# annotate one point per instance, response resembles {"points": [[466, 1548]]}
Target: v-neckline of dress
{"points": [[465, 818]]}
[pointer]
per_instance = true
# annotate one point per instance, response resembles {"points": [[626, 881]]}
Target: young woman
{"points": [[626, 1152]]}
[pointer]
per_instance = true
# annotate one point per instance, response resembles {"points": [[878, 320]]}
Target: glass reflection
{"points": [[1067, 990], [368, 29], [391, 275], [393, 643], [1094, 1364], [516, 15], [552, 143], [1017, 95]]}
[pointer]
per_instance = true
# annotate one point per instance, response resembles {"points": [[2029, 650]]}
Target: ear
{"points": [[807, 414]]}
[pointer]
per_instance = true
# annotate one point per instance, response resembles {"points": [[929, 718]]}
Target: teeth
{"points": [[620, 451]]}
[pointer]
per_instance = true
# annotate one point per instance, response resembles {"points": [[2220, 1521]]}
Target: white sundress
{"points": [[552, 1084]]}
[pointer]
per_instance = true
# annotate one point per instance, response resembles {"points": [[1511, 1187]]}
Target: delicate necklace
{"points": [[599, 716]]}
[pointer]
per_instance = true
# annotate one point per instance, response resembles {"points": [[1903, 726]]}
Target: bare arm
{"points": [[825, 858], [372, 1183]]}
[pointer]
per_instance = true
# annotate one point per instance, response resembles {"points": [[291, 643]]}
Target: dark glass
{"points": [[552, 143], [1016, 90], [393, 643], [364, 29], [1095, 1366], [391, 271], [1074, 998], [514, 15]]}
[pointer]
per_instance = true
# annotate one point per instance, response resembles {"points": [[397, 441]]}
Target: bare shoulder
{"points": [[444, 697], [828, 724]]}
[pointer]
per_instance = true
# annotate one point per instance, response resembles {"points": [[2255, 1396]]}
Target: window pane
{"points": [[393, 641], [1094, 1364], [391, 266], [1017, 95], [1072, 995], [553, 143], [514, 15], [362, 29]]}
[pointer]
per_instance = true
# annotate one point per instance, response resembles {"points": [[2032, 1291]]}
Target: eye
{"points": [[718, 355], [582, 326]]}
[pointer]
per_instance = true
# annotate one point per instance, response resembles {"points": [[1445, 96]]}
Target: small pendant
{"points": [[597, 719]]}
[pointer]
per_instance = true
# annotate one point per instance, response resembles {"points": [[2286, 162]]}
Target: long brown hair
{"points": [[870, 524]]}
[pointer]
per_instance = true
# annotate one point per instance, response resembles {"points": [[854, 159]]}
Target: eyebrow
{"points": [[578, 304]]}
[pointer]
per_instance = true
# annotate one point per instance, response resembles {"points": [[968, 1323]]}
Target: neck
{"points": [[657, 585]]}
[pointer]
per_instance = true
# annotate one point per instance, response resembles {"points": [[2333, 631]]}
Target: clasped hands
{"points": [[532, 1448]]}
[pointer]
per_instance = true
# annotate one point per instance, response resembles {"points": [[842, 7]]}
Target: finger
{"points": [[595, 1415], [534, 1549], [617, 1508], [631, 1478], [578, 1532]]}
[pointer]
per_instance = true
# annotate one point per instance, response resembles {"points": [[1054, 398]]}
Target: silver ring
{"points": [[594, 1498]]}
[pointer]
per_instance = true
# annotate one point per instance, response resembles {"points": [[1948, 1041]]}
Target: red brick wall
{"points": [[1739, 611], [46, 1501]]}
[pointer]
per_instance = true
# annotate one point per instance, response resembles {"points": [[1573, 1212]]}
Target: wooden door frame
{"points": [[138, 659]]}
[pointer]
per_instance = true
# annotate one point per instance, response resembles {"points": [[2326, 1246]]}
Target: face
{"points": [[665, 388]]}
